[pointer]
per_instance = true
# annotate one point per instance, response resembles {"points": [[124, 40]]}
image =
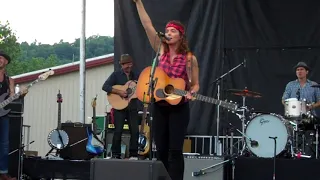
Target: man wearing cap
{"points": [[6, 86], [130, 113], [301, 87]]}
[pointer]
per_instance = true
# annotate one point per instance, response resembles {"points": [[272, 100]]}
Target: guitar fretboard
{"points": [[207, 99], [15, 96]]}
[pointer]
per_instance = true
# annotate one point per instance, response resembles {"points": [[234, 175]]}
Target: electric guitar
{"points": [[144, 134], [171, 89], [5, 102], [118, 102], [94, 145]]}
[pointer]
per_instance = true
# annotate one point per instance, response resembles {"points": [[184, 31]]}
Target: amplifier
{"points": [[117, 169], [76, 149], [194, 163]]}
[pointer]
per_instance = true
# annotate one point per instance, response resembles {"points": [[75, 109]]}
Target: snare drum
{"points": [[263, 126], [294, 108]]}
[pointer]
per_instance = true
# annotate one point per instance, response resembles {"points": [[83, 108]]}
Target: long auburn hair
{"points": [[183, 47]]}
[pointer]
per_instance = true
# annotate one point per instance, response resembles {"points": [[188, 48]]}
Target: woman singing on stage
{"points": [[171, 121]]}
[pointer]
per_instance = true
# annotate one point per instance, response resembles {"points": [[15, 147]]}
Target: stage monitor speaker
{"points": [[117, 169], [76, 149], [196, 163], [15, 140]]}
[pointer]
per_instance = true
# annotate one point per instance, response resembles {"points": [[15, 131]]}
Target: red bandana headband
{"points": [[179, 28]]}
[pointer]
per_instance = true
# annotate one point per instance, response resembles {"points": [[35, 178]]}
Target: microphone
{"points": [[244, 62], [162, 35]]}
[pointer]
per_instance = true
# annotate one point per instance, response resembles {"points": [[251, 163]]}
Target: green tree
{"points": [[9, 44]]}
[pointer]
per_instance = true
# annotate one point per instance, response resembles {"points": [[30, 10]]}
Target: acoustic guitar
{"points": [[118, 102], [144, 133], [171, 89]]}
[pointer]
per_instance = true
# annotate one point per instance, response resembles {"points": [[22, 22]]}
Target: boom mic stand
{"points": [[152, 84], [218, 81]]}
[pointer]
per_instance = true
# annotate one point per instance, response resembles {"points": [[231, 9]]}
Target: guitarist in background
{"points": [[6, 86], [171, 121], [130, 113]]}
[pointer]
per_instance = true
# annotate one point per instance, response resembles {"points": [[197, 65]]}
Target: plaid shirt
{"points": [[177, 69]]}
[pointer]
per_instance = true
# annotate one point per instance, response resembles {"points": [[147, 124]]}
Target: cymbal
{"points": [[316, 86], [245, 92]]}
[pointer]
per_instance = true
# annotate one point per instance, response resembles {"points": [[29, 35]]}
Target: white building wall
{"points": [[41, 107]]}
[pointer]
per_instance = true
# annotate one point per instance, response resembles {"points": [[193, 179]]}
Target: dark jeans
{"points": [[4, 144], [119, 119], [170, 127]]}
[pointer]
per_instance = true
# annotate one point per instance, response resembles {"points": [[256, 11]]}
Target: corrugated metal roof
{"points": [[66, 68]]}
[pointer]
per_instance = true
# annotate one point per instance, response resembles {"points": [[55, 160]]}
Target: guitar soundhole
{"points": [[169, 89], [129, 91]]}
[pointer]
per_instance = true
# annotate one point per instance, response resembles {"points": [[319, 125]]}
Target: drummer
{"points": [[301, 88]]}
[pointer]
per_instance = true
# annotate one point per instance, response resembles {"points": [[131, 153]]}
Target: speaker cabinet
{"points": [[15, 139], [76, 149], [116, 169], [196, 163]]}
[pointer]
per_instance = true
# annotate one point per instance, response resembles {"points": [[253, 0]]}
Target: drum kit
{"points": [[266, 135]]}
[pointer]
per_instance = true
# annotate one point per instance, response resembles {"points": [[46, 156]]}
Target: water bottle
{"points": [[17, 89]]}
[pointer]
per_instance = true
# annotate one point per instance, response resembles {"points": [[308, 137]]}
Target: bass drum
{"points": [[263, 126]]}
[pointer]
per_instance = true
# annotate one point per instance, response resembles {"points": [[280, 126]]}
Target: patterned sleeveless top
{"points": [[177, 69]]}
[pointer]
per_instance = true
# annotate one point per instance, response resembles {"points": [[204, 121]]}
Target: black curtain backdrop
{"points": [[271, 35]]}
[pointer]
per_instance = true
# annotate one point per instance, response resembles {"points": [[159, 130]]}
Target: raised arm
{"points": [[148, 26]]}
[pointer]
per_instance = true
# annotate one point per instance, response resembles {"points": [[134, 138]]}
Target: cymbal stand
{"points": [[243, 119], [317, 141]]}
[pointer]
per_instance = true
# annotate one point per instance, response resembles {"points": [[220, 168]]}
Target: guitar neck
{"points": [[144, 117], [15, 96], [207, 99], [94, 123], [59, 115]]}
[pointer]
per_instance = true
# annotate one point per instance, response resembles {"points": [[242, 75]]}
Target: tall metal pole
{"points": [[82, 68]]}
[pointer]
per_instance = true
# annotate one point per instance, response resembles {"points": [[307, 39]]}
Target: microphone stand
{"points": [[152, 84], [274, 158], [217, 82], [203, 171]]}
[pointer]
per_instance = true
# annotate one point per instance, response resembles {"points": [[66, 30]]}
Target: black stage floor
{"points": [[246, 168]]}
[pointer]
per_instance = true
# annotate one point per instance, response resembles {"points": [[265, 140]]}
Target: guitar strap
{"points": [[189, 66]]}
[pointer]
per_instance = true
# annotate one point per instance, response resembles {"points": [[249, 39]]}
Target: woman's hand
{"points": [[189, 95]]}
